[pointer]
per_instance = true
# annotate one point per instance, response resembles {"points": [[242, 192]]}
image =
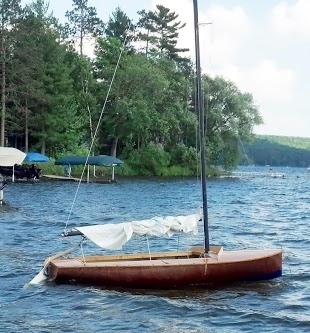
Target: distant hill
{"points": [[291, 141], [278, 151]]}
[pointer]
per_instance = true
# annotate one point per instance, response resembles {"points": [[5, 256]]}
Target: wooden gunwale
{"points": [[227, 257]]}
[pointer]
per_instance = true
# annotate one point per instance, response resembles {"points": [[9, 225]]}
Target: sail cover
{"points": [[114, 236]]}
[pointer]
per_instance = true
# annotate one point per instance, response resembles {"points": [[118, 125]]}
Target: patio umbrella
{"points": [[35, 157], [10, 156], [103, 160], [99, 160]]}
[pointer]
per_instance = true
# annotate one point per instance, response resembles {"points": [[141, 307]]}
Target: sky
{"points": [[262, 46]]}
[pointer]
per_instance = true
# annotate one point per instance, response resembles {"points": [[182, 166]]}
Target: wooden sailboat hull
{"points": [[168, 270]]}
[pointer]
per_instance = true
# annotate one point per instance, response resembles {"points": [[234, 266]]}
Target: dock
{"points": [[65, 178]]}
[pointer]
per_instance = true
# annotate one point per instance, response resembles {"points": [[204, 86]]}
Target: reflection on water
{"points": [[6, 208], [245, 211]]}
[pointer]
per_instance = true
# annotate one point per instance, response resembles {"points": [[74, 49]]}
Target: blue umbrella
{"points": [[103, 160], [36, 157]]}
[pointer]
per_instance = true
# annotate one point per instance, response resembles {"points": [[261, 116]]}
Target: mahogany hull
{"points": [[167, 273]]}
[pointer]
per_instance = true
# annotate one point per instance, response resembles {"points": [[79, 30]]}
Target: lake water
{"points": [[250, 211]]}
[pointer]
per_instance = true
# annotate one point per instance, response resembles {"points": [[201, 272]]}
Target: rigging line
{"points": [[95, 133]]}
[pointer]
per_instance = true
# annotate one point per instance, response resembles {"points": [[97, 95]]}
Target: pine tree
{"points": [[161, 31], [10, 12], [120, 26], [83, 23]]}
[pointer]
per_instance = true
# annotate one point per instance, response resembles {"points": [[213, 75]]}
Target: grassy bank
{"points": [[126, 170]]}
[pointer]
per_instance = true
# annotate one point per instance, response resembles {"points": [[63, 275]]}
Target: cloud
{"points": [[266, 81], [229, 30], [229, 36], [292, 20], [274, 92]]}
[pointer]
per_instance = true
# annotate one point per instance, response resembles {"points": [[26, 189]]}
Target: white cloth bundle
{"points": [[114, 236]]}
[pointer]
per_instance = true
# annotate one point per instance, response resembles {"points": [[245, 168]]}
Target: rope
{"points": [[95, 134]]}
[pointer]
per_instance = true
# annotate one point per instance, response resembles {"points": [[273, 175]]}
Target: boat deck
{"points": [[169, 258]]}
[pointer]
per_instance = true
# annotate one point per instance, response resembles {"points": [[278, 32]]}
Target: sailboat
{"points": [[197, 267]]}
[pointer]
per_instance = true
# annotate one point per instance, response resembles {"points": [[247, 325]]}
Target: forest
{"points": [[134, 98], [277, 151]]}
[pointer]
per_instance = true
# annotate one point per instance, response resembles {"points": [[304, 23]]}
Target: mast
{"points": [[200, 111]]}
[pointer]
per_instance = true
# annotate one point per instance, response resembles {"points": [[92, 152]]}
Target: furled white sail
{"points": [[114, 236]]}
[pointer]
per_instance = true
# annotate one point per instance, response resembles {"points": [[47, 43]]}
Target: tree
{"points": [[43, 98], [120, 26], [145, 25], [85, 88], [173, 121], [24, 87], [83, 22], [10, 11], [231, 116], [161, 31], [138, 87], [55, 123], [40, 9], [26, 59]]}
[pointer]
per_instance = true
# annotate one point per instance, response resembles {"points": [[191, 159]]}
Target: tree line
{"points": [[277, 151], [52, 93]]}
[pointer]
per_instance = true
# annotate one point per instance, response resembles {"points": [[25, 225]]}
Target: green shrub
{"points": [[150, 160], [184, 156]]}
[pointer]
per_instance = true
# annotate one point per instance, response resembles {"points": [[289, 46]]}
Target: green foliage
{"points": [[49, 168], [56, 94], [138, 87], [76, 150], [184, 156], [279, 151], [231, 116], [162, 31], [153, 160], [150, 160], [10, 13], [178, 171], [83, 22], [85, 96], [290, 141], [55, 122], [121, 27]]}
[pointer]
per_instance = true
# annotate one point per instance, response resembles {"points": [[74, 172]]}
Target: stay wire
{"points": [[95, 133]]}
